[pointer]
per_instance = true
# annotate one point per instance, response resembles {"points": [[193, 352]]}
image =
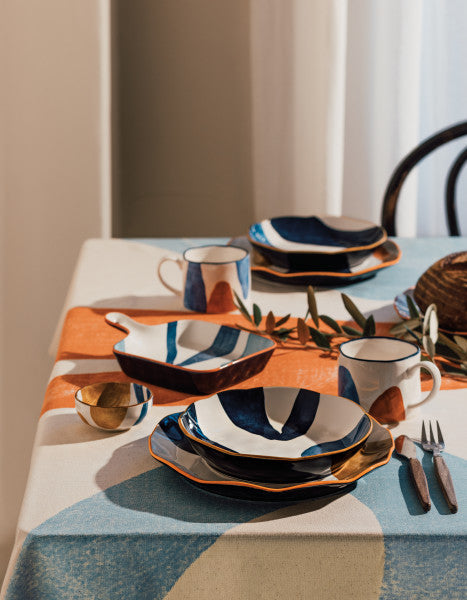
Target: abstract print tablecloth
{"points": [[102, 519]]}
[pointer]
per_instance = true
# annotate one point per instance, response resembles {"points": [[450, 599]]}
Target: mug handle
{"points": [[435, 373], [177, 261]]}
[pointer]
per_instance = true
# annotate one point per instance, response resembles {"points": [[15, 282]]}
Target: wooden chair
{"points": [[402, 170]]}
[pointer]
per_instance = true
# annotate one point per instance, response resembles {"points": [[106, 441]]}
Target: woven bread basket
{"points": [[445, 284]]}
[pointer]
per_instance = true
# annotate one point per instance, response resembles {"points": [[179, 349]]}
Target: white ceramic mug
{"points": [[382, 374], [210, 276]]}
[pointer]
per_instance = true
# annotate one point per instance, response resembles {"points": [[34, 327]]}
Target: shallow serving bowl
{"points": [[112, 406], [316, 243], [168, 445], [275, 433], [189, 355]]}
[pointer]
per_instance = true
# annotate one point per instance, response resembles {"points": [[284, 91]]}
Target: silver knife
{"points": [[405, 447]]}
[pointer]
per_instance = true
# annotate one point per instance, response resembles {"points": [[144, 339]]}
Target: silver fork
{"points": [[442, 472]]}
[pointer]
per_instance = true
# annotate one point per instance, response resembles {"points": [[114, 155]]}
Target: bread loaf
{"points": [[445, 284]]}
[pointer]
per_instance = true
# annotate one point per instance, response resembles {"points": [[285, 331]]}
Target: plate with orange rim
{"points": [[168, 445], [382, 257]]}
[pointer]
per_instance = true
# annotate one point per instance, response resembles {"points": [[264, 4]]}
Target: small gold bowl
{"points": [[112, 406]]}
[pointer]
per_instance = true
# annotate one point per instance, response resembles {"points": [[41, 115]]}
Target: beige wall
{"points": [[184, 117], [51, 201]]}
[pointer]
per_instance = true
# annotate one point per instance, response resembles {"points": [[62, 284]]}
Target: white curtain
{"points": [[341, 92]]}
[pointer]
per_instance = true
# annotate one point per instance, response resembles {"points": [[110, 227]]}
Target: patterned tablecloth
{"points": [[101, 519]]}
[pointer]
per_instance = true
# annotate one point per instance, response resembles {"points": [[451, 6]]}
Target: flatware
{"points": [[441, 469], [405, 447]]}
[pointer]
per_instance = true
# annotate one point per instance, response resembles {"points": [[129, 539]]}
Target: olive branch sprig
{"points": [[423, 329], [306, 334], [448, 351]]}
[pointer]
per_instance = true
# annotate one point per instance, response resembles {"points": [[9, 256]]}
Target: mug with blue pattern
{"points": [[211, 275], [382, 374]]}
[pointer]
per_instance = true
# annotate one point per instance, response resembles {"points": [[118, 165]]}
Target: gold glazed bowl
{"points": [[112, 406]]}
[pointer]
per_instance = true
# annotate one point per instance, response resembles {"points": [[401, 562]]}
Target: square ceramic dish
{"points": [[168, 445], [189, 355], [275, 433], [315, 243]]}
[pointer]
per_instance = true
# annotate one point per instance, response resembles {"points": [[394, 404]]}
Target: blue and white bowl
{"points": [[316, 243], [275, 433]]}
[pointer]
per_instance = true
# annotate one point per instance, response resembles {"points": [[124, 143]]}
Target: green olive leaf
{"points": [[370, 326], [302, 331], [312, 305], [319, 339], [413, 308], [257, 314], [351, 331], [401, 327], [461, 342], [353, 311], [270, 322], [331, 323], [283, 320], [242, 308]]}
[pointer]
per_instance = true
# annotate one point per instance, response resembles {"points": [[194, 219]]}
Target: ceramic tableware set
{"points": [[272, 443], [266, 443], [320, 250]]}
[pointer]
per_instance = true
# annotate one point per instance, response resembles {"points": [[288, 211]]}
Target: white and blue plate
{"points": [[189, 355], [315, 243], [169, 446], [382, 257], [275, 433]]}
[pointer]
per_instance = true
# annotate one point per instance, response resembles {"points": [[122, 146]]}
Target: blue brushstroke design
{"points": [[346, 385], [171, 342], [139, 393], [223, 344], [246, 409], [353, 437], [257, 234], [195, 291], [143, 413], [256, 343], [312, 230], [134, 540], [243, 274]]}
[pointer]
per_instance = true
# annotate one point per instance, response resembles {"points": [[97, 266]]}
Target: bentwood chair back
{"points": [[391, 195]]}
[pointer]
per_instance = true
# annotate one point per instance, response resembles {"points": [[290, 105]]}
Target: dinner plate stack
{"points": [[272, 443], [320, 250]]}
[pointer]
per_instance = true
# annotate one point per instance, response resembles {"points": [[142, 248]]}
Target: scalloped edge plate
{"points": [[168, 445]]}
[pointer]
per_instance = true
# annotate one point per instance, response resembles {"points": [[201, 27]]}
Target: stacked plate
{"points": [[273, 443], [320, 250]]}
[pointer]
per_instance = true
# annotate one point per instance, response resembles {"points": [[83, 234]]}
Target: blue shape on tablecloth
{"points": [[134, 540], [425, 552]]}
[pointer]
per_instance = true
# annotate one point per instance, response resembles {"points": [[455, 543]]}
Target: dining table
{"points": [[103, 519]]}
